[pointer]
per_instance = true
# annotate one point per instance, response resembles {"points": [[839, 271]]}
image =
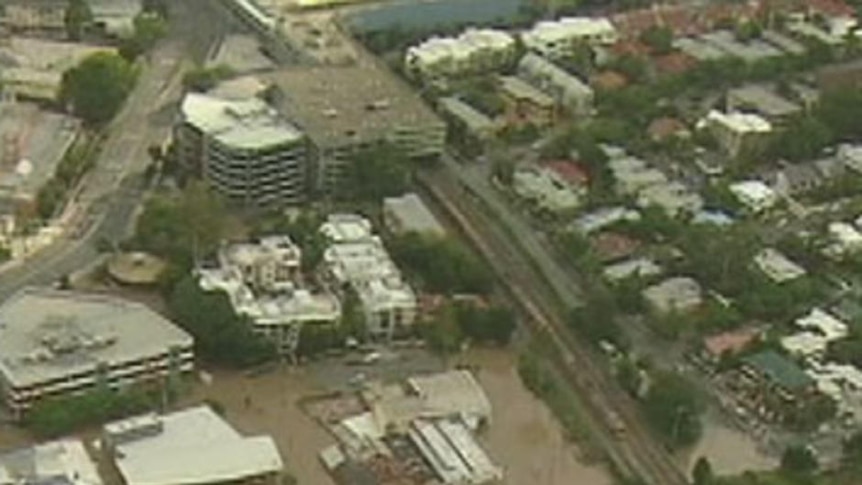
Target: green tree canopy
{"points": [[441, 264], [673, 408], [658, 38], [97, 88], [76, 18], [220, 335], [804, 138], [702, 473], [379, 171], [798, 461]]}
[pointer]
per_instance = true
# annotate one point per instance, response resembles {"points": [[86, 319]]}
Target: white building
{"points": [[845, 238], [61, 342], [556, 39], [194, 446], [546, 190], [474, 51], [631, 175], [408, 213], [356, 259], [604, 217], [244, 149], [674, 295], [851, 156], [737, 133], [823, 323], [567, 90], [263, 282], [673, 198], [60, 462], [631, 268], [450, 449], [755, 195], [777, 267]]}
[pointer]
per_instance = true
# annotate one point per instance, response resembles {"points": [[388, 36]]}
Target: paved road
{"points": [[110, 194]]}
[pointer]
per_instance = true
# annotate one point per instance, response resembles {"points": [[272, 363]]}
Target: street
{"points": [[110, 193]]}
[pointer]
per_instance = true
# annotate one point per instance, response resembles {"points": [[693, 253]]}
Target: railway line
{"points": [[615, 419]]}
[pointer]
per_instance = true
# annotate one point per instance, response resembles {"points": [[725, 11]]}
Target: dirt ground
{"points": [[524, 437]]}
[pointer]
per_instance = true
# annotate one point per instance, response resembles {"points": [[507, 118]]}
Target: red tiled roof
{"points": [[571, 172], [733, 342], [612, 246], [661, 128], [674, 63], [608, 80]]}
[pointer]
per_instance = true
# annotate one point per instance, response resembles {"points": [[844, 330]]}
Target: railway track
{"points": [[634, 452]]}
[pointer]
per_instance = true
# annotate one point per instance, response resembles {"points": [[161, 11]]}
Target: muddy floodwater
{"points": [[524, 437], [730, 451], [269, 404]]}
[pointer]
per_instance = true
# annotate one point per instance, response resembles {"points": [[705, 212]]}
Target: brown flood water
{"points": [[524, 437]]}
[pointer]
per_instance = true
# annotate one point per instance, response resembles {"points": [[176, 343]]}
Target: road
{"points": [[540, 285], [110, 194]]}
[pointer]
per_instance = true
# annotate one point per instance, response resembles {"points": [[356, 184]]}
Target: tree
{"points": [[804, 138], [839, 111], [149, 28], [673, 408], [97, 87], [220, 335], [702, 473], [798, 461], [658, 38], [379, 171], [485, 325], [441, 264], [852, 453], [181, 228], [158, 7], [76, 18], [202, 79]]}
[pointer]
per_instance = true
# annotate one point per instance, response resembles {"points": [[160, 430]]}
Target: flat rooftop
{"points": [[33, 142], [342, 105], [192, 446], [47, 334], [63, 462]]}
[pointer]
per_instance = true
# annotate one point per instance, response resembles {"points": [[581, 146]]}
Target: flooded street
{"points": [[273, 408], [730, 451], [524, 437]]}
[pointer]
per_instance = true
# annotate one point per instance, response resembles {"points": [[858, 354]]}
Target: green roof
{"points": [[780, 370]]}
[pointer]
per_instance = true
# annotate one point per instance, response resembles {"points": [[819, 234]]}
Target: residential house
{"points": [[674, 295], [526, 104], [777, 267], [567, 90], [738, 133], [755, 195]]}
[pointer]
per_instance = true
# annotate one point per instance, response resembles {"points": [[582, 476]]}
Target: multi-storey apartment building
{"points": [[474, 51], [243, 149]]}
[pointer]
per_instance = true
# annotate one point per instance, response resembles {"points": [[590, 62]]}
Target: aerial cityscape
{"points": [[430, 242]]}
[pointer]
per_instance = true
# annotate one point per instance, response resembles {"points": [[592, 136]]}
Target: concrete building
{"points": [[453, 453], [631, 268], [777, 267], [738, 133], [755, 195], [472, 52], [763, 101], [556, 39], [408, 213], [546, 190], [749, 51], [263, 283], [33, 142], [33, 68], [674, 198], [58, 342], [450, 394], [698, 49], [194, 446], [526, 104], [244, 150], [356, 260], [343, 109], [465, 118], [63, 462], [572, 94], [674, 295], [33, 15]]}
